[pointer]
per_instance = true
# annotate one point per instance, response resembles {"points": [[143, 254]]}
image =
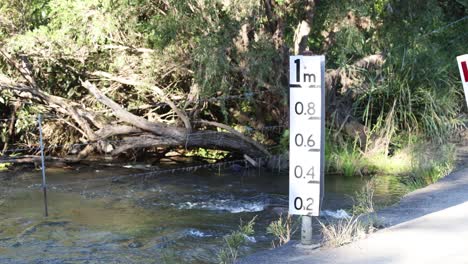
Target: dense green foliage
{"points": [[205, 49]]}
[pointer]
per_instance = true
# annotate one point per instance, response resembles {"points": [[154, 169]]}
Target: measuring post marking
{"points": [[307, 122]]}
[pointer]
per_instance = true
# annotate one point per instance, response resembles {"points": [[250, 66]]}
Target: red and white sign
{"points": [[463, 66]]}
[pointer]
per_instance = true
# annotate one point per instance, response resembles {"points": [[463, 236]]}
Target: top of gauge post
{"points": [[305, 72]]}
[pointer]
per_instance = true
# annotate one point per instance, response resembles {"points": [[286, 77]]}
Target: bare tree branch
{"points": [[158, 91], [137, 121]]}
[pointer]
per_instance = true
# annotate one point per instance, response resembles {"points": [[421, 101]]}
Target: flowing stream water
{"points": [[96, 217]]}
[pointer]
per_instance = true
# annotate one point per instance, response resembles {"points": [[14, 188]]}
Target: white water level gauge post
{"points": [[306, 138]]}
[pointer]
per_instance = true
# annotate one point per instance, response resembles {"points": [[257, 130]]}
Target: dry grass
{"points": [[341, 232], [361, 223], [345, 231]]}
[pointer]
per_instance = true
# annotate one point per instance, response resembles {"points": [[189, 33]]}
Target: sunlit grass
{"points": [[346, 159], [397, 164], [350, 161], [4, 166]]}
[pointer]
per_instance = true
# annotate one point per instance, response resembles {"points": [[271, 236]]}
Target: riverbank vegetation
{"points": [[283, 229], [418, 164], [234, 241], [139, 79], [361, 222]]}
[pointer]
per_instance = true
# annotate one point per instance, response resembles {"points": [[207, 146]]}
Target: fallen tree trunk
{"points": [[136, 132], [172, 136], [238, 134], [141, 133], [200, 139], [137, 121], [36, 160]]}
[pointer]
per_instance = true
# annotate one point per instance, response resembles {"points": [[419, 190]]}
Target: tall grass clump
{"points": [[343, 231], [432, 164], [336, 233], [364, 199], [415, 94], [282, 229], [344, 158], [234, 241]]}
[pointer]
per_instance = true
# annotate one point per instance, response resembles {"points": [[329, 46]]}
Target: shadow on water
{"points": [[340, 190], [181, 217]]}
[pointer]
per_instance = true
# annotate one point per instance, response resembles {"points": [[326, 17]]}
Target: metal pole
{"points": [[306, 234], [44, 186]]}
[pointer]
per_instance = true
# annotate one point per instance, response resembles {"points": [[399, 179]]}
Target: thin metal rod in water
{"points": [[44, 186], [306, 232]]}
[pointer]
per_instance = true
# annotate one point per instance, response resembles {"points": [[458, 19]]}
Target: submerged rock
{"points": [[135, 244], [338, 214], [17, 244], [279, 210], [55, 223], [237, 168]]}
